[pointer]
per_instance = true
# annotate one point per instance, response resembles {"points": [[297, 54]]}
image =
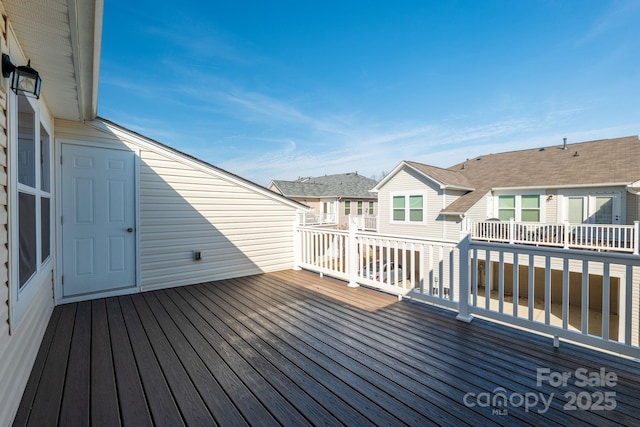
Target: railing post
{"points": [[636, 237], [566, 234], [352, 255], [297, 246], [465, 286], [512, 230]]}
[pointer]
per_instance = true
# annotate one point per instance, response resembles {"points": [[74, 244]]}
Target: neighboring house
{"points": [[90, 209], [332, 197], [574, 196], [596, 182]]}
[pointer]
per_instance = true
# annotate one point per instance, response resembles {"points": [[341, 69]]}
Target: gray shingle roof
{"points": [[605, 161], [340, 185], [450, 178]]}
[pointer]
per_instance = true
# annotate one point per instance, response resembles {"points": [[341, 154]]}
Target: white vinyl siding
{"points": [[19, 341], [405, 183], [18, 349], [186, 207]]}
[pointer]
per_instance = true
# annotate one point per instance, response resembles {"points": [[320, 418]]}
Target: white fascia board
{"points": [[546, 187], [389, 175], [430, 178], [186, 159], [441, 185]]}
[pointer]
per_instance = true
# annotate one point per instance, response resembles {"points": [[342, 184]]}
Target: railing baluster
{"points": [[606, 287], [531, 286], [487, 279], [547, 290], [565, 293], [584, 323], [515, 291], [501, 281]]}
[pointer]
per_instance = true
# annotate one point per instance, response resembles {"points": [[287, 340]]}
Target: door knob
{"points": [[129, 230]]}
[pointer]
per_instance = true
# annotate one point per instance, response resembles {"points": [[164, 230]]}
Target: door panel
{"points": [[98, 212], [603, 210], [594, 209]]}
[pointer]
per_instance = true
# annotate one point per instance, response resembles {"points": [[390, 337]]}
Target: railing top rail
{"points": [[554, 252], [549, 224], [394, 237], [321, 229]]}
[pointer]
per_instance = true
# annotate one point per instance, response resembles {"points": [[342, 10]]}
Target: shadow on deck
{"points": [[294, 349]]}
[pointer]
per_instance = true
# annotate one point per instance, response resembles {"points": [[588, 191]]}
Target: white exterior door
{"points": [[98, 220]]}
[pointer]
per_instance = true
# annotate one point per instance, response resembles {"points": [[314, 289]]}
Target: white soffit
{"points": [[62, 39]]}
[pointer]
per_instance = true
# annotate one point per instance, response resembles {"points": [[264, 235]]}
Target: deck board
{"points": [[75, 412], [24, 410], [293, 348], [162, 406], [104, 395], [132, 402]]}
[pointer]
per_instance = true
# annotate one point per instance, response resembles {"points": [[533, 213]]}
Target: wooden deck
{"points": [[292, 348]]}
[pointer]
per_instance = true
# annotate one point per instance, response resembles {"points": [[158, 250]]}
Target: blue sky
{"points": [[282, 89]]}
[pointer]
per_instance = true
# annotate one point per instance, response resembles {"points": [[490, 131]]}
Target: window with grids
{"points": [[520, 208], [409, 208], [34, 194], [347, 207]]}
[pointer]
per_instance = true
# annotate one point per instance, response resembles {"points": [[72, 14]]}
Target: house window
{"points": [[371, 208], [506, 208], [398, 208], [360, 203], [347, 207], [530, 208], [31, 243], [576, 210], [408, 208], [521, 208]]}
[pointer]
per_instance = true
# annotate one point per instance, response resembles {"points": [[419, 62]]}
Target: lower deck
{"points": [[292, 348]]}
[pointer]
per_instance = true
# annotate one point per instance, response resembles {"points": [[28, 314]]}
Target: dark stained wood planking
{"points": [[294, 348], [162, 406], [24, 410], [104, 395], [132, 403], [48, 398], [74, 411]]}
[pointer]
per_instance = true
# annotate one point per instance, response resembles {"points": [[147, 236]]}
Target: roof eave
{"points": [[559, 186], [457, 187], [86, 53]]}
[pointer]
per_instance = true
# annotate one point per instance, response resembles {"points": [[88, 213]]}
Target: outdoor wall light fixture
{"points": [[25, 80]]}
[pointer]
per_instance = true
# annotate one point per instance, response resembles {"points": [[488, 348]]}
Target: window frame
{"points": [[347, 207], [407, 209], [518, 206], [21, 295]]}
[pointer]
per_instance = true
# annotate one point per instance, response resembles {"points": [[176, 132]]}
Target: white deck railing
{"points": [[584, 296], [311, 218], [600, 237], [364, 222]]}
